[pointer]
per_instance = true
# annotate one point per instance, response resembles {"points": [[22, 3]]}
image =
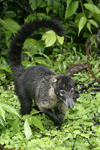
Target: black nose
{"points": [[70, 105]]}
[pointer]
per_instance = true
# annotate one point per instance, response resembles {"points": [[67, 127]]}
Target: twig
{"points": [[93, 75]]}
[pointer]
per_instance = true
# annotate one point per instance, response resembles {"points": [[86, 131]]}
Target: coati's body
{"points": [[48, 89]]}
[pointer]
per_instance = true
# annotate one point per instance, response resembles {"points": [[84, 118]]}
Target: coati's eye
{"points": [[61, 92], [72, 90]]}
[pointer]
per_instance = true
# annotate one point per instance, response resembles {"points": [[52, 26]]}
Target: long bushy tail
{"points": [[14, 54]]}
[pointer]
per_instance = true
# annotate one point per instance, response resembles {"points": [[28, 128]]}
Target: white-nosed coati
{"points": [[48, 89]]}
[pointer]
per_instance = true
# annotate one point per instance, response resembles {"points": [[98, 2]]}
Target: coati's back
{"points": [[32, 78]]}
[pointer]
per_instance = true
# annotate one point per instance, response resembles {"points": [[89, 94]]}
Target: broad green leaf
{"points": [[45, 56], [85, 135], [15, 126], [40, 61], [78, 17], [33, 112], [2, 112], [71, 9], [61, 11], [93, 23], [98, 95], [34, 3], [48, 9], [49, 37], [2, 121], [49, 2], [10, 14], [10, 109], [5, 67], [96, 17], [29, 18], [82, 23], [31, 45], [27, 129], [36, 122], [60, 39], [68, 2], [92, 8], [3, 60], [10, 24], [89, 27]]}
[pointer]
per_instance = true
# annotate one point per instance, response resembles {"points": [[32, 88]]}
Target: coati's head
{"points": [[64, 89]]}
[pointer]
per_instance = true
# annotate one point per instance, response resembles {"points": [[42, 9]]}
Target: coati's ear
{"points": [[54, 80]]}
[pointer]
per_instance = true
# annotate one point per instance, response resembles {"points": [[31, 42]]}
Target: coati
{"points": [[48, 89]]}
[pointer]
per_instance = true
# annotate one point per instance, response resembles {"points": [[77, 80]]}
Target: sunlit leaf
{"points": [[31, 45], [10, 24], [49, 37], [92, 8], [35, 3], [2, 121], [68, 2], [82, 23], [36, 122], [27, 129], [60, 39], [15, 126], [93, 23], [2, 112], [71, 9], [10, 109], [89, 26]]}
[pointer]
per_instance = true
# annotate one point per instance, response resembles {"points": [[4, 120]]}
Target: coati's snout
{"points": [[70, 104]]}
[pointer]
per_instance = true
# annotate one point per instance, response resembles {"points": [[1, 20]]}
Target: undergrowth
{"points": [[80, 129]]}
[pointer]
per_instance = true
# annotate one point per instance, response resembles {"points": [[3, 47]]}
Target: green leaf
{"points": [[15, 126], [27, 129], [71, 9], [68, 2], [31, 45], [93, 23], [89, 27], [2, 112], [60, 39], [49, 2], [49, 37], [40, 61], [33, 112], [78, 17], [82, 23], [2, 121], [92, 8], [45, 56], [36, 122], [10, 24], [85, 135], [10, 109], [61, 11], [35, 3], [5, 67], [10, 14], [29, 18], [48, 9]]}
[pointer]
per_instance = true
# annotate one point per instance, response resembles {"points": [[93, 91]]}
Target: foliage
{"points": [[79, 131], [81, 20]]}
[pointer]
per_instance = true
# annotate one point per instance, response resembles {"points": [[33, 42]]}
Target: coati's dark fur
{"points": [[48, 89]]}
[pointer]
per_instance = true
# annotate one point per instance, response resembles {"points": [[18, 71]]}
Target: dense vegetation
{"points": [[81, 127]]}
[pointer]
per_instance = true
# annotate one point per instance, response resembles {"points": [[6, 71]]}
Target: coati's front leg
{"points": [[60, 112], [58, 116]]}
